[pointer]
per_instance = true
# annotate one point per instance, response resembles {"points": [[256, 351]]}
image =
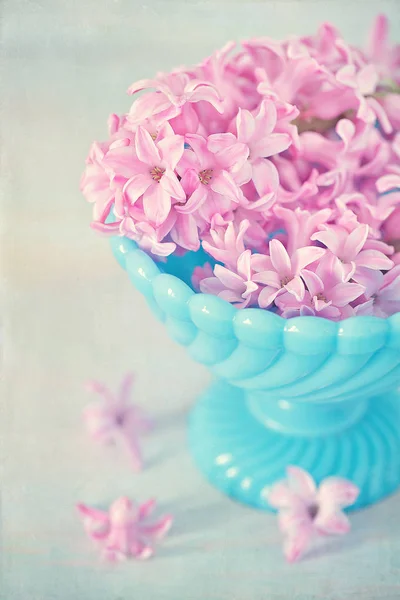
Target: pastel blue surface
{"points": [[304, 391]]}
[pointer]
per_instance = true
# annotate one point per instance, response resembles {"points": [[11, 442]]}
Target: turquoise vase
{"points": [[304, 391]]}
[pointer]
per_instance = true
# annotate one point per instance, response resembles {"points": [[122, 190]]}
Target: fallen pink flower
{"points": [[115, 419], [124, 530], [306, 512]]}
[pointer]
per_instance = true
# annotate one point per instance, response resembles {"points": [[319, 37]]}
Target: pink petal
{"points": [[347, 270], [274, 144], [217, 142], [92, 513], [234, 298], [245, 125], [387, 183], [296, 545], [313, 282], [377, 43], [185, 232], [159, 529], [189, 180], [301, 483], [125, 389], [296, 287], [234, 157], [132, 445], [124, 161], [244, 264], [156, 204], [329, 238], [98, 387], [346, 129], [267, 296], [198, 145], [195, 201], [332, 523], [146, 149], [280, 495], [265, 176], [266, 117], [146, 509], [188, 162], [169, 182], [151, 105], [107, 228], [230, 280], [380, 114], [171, 149], [280, 259], [224, 184], [355, 241], [294, 518], [373, 259], [211, 285], [141, 550], [306, 256], [269, 278], [142, 84], [136, 186], [207, 94], [344, 293], [336, 491]]}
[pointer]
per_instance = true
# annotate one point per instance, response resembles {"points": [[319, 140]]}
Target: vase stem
{"points": [[305, 418]]}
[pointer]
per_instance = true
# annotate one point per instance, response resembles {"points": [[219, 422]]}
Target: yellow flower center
{"points": [[157, 173], [205, 176]]}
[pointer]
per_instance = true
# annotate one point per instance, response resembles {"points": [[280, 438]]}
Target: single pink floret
{"points": [[148, 166], [383, 296], [305, 511], [115, 419], [124, 530], [349, 250], [237, 286], [279, 272]]}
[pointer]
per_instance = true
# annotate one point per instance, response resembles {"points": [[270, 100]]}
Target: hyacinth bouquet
{"points": [[254, 199]]}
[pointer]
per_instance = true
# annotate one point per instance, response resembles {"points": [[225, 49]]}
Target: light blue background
{"points": [[65, 67]]}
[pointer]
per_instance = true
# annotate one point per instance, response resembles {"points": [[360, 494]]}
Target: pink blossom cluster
{"points": [[280, 159]]}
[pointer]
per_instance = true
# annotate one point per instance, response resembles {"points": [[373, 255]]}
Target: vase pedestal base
{"points": [[243, 457]]}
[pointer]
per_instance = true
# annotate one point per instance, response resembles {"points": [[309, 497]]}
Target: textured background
{"points": [[70, 313]]}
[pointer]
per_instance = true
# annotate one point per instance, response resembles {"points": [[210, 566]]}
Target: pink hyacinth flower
{"points": [[300, 225], [279, 272], [385, 58], [306, 511], [237, 287], [148, 237], [349, 250], [173, 92], [200, 273], [124, 530], [95, 182], [115, 419], [148, 166], [227, 245], [383, 296], [257, 132], [327, 295], [209, 175]]}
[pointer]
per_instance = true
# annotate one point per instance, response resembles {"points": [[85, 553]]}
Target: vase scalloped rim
{"points": [[386, 331]]}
